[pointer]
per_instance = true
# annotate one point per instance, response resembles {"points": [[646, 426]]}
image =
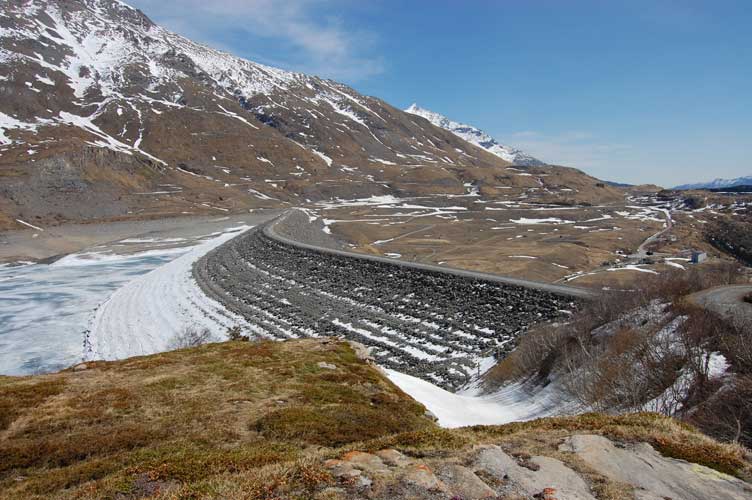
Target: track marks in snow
{"points": [[145, 314]]}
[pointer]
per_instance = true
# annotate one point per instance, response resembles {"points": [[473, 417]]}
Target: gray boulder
{"points": [[654, 476]]}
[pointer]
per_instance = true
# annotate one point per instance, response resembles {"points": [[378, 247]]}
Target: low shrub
{"points": [[648, 349], [236, 333], [191, 336], [341, 424], [727, 412]]}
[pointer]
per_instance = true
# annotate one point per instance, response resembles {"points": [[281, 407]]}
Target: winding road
{"points": [[642, 250]]}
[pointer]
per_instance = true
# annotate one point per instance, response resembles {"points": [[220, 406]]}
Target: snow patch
{"points": [[510, 404], [548, 220]]}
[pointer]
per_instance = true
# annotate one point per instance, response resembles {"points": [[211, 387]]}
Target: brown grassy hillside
{"points": [[245, 420], [188, 417]]}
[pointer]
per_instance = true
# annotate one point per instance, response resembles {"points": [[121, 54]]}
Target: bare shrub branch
{"points": [[637, 350], [236, 333], [190, 336]]}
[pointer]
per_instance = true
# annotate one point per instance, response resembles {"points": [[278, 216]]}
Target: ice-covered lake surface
{"points": [[45, 310]]}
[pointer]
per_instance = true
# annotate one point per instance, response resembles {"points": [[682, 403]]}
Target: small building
{"points": [[698, 257]]}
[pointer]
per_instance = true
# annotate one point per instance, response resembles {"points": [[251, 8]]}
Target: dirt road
{"points": [[727, 301]]}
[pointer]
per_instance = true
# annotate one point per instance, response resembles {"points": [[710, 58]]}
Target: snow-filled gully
{"points": [[515, 402]]}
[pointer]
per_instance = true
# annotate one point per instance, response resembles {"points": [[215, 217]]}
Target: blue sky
{"points": [[637, 91]]}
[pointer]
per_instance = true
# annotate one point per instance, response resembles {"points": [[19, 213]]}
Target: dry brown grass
{"points": [[670, 437], [182, 422], [17, 398], [242, 420], [485, 240]]}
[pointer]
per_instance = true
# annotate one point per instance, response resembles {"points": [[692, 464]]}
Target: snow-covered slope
{"points": [[108, 52], [477, 137], [95, 98], [719, 183], [143, 316]]}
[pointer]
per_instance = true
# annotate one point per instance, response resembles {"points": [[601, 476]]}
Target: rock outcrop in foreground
{"points": [[488, 471], [309, 419]]}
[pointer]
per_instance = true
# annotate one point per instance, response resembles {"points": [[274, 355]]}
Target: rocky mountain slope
{"points": [[718, 183], [476, 136], [106, 115]]}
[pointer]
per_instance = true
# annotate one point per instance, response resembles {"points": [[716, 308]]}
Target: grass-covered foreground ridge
{"points": [[258, 421]]}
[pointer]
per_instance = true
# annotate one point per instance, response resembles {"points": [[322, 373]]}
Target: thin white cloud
{"points": [[579, 149], [315, 40]]}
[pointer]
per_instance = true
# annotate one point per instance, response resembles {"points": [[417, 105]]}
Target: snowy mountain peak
{"points": [[108, 46], [431, 116], [476, 136]]}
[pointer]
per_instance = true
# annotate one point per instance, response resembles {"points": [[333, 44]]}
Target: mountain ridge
{"points": [[476, 136], [717, 183]]}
